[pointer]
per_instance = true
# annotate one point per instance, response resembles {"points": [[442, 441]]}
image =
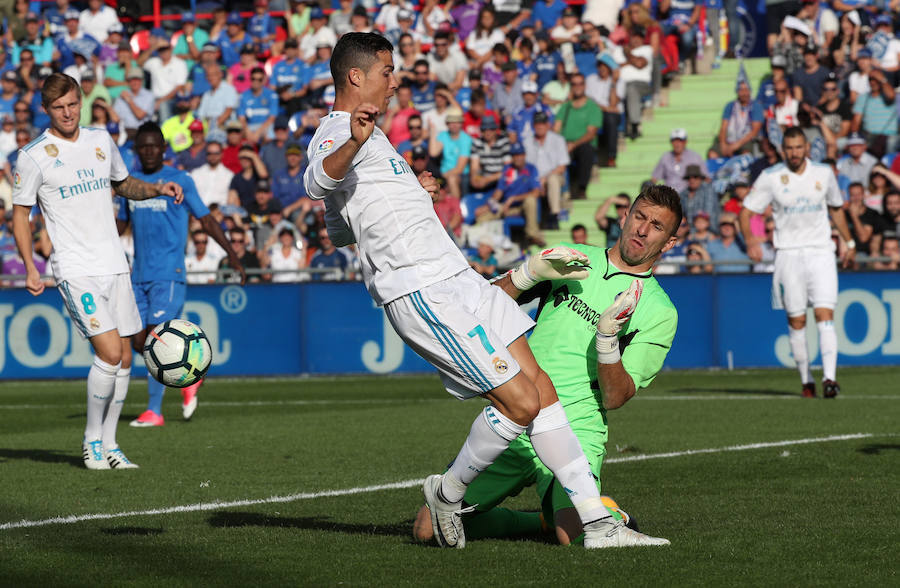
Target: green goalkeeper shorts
{"points": [[519, 467]]}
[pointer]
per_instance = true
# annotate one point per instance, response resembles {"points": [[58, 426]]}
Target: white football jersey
{"points": [[71, 183], [403, 247], [799, 204]]}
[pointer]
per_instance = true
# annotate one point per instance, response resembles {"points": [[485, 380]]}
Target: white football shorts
{"points": [[98, 304], [462, 326], [804, 277]]}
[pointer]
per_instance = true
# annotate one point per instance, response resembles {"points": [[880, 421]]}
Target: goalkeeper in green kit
{"points": [[600, 340]]}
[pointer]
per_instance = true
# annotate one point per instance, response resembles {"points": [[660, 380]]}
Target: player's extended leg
{"points": [[152, 417], [557, 446], [101, 384], [800, 352], [114, 454], [828, 346]]}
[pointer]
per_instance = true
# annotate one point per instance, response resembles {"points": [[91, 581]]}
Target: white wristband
{"points": [[851, 244], [521, 278], [607, 348]]}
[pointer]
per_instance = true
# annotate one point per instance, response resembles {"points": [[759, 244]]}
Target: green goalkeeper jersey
{"points": [[563, 340]]}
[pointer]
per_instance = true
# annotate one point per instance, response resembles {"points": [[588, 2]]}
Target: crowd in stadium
{"points": [[512, 105]]}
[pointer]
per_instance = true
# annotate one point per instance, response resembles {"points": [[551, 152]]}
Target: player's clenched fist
{"points": [[362, 122], [611, 321], [557, 263]]}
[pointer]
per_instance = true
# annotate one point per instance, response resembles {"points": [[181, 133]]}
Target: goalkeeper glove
{"points": [[551, 264], [611, 321]]}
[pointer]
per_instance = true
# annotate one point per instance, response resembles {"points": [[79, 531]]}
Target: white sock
{"points": [[114, 409], [490, 435], [797, 338], [101, 383], [558, 448], [828, 346]]}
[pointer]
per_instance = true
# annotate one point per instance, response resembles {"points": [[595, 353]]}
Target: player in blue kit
{"points": [[158, 275]]}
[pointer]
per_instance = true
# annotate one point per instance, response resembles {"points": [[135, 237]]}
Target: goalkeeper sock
{"points": [[501, 522], [797, 338], [156, 391], [114, 410], [558, 448], [490, 435], [828, 346], [101, 382]]}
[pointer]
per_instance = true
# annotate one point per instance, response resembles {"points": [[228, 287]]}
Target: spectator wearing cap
{"points": [[518, 194], [808, 80], [521, 125], [415, 131], [168, 74], [453, 147], [490, 154], [110, 47], [234, 142], [261, 28], [136, 104], [743, 118], [9, 91], [96, 19], [837, 115], [858, 82], [765, 96], [258, 108], [699, 195], [858, 163], [405, 20], [483, 260], [422, 162], [250, 172], [546, 151], [319, 34], [114, 74], [219, 101], [40, 46], [577, 121], [507, 97], [209, 57], [212, 178], [232, 39], [287, 185], [637, 74], [189, 41], [264, 213], [607, 91], [195, 155], [569, 29], [484, 37], [672, 165], [273, 153], [727, 247], [90, 92], [423, 86], [176, 129], [700, 228], [876, 115], [888, 59], [448, 67], [339, 19], [395, 121], [290, 71]]}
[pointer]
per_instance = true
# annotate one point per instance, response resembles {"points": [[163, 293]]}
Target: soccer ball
{"points": [[177, 353]]}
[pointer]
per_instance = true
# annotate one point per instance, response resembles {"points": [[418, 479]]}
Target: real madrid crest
{"points": [[52, 150], [100, 155], [819, 186], [95, 324], [784, 179], [500, 366]]}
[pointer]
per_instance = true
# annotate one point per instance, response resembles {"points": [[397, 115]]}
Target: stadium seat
{"points": [[470, 203], [140, 41]]}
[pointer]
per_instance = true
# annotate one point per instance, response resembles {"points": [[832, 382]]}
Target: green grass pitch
{"points": [[748, 511]]}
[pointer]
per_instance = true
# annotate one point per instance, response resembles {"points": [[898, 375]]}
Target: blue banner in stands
{"points": [[334, 328]]}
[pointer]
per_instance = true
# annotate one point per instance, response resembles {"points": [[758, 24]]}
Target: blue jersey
{"points": [[545, 65], [548, 14], [258, 108], [289, 74], [287, 189], [198, 79], [423, 98], [160, 228], [260, 26], [522, 121]]}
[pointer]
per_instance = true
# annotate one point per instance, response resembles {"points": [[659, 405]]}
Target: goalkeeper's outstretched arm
{"points": [[556, 263]]}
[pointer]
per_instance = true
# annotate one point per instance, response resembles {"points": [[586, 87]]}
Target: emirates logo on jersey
{"points": [[100, 155]]}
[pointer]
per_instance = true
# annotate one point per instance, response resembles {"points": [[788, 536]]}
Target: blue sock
{"points": [[156, 391]]}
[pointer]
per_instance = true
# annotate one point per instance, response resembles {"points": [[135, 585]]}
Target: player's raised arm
{"points": [[135, 189], [618, 386], [556, 263], [327, 173]]}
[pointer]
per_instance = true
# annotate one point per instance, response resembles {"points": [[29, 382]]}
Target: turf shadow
{"points": [[755, 391], [132, 531], [877, 448], [42, 455], [252, 519]]}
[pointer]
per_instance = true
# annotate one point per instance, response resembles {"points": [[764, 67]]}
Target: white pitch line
{"points": [[216, 505]]}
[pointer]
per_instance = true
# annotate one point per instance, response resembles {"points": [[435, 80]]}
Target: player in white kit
{"points": [[469, 330], [70, 172], [803, 195]]}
